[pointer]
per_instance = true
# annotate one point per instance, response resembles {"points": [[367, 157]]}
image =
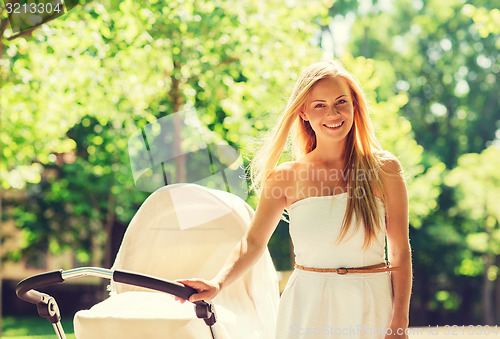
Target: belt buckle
{"points": [[342, 270]]}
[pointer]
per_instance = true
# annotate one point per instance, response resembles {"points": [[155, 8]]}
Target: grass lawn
{"points": [[40, 328], [33, 328]]}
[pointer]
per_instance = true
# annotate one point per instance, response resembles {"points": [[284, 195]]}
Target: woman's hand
{"points": [[207, 290], [395, 334], [397, 330]]}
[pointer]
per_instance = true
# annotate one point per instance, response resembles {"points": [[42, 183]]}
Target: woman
{"points": [[344, 195]]}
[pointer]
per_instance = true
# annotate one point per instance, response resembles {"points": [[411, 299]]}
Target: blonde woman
{"points": [[344, 196]]}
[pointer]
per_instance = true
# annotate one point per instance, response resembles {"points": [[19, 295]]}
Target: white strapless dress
{"points": [[329, 305]]}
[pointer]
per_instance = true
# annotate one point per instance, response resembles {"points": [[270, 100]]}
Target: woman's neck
{"points": [[329, 155]]}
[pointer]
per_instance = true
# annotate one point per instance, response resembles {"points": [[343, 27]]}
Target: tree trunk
{"points": [[180, 161], [1, 251], [488, 315], [3, 26], [497, 293], [1, 210], [110, 220], [176, 98], [366, 47]]}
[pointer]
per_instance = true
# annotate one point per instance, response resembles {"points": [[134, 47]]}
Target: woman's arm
{"points": [[399, 251], [271, 204]]}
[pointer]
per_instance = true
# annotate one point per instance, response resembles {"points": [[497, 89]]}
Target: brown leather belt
{"points": [[383, 267]]}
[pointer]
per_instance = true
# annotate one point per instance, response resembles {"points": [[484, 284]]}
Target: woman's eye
{"points": [[319, 106], [341, 102]]}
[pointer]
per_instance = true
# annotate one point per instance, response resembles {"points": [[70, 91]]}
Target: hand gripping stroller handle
{"points": [[171, 287], [25, 289]]}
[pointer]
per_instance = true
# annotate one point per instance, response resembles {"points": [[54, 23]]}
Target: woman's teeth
{"points": [[335, 125]]}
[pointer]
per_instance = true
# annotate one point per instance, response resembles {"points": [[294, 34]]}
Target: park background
{"points": [[73, 90]]}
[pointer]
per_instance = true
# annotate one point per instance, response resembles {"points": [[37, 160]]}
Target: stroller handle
{"points": [[171, 287], [48, 308], [25, 290]]}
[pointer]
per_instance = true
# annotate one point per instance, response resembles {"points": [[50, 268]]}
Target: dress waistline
{"points": [[377, 268]]}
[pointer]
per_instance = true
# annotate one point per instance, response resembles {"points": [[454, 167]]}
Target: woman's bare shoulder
{"points": [[283, 172], [392, 176], [389, 163]]}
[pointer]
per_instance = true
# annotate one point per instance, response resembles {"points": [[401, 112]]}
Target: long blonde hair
{"points": [[363, 152]]}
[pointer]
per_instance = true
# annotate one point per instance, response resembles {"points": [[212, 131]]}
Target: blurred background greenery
{"points": [[74, 89]]}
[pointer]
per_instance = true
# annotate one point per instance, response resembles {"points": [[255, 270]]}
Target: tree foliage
{"points": [[85, 83]]}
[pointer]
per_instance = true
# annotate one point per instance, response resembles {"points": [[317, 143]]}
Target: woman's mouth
{"points": [[334, 126]]}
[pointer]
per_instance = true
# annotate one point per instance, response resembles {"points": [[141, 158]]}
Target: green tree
{"points": [[477, 183], [448, 68], [15, 170], [128, 64], [81, 86]]}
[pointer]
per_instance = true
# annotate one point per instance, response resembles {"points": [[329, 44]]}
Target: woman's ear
{"points": [[303, 115]]}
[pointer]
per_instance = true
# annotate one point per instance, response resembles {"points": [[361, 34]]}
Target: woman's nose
{"points": [[333, 111]]}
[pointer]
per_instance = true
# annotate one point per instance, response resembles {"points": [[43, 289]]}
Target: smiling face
{"points": [[329, 109]]}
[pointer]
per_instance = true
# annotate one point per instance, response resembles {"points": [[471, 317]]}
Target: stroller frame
{"points": [[48, 308]]}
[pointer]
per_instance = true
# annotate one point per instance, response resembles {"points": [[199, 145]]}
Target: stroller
{"points": [[180, 231]]}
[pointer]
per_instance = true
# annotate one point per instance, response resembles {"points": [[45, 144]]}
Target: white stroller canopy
{"points": [[186, 231]]}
